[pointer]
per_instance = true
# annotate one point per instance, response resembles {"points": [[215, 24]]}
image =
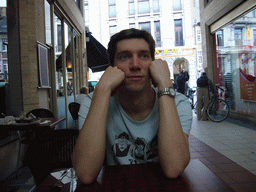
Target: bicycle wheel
{"points": [[194, 108], [217, 110]]}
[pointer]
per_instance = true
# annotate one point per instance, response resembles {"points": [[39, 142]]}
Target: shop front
{"points": [[235, 69], [229, 40]]}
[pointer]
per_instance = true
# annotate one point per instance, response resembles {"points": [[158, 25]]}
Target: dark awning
{"points": [[97, 57]]}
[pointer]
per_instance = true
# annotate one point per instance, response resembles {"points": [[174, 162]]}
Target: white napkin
{"points": [[66, 179]]}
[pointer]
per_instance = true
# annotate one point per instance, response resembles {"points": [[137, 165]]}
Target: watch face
{"points": [[172, 91]]}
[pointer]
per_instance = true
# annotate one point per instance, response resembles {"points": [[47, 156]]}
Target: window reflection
{"points": [[235, 69]]}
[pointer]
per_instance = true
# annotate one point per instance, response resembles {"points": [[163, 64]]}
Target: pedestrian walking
{"points": [[204, 85]]}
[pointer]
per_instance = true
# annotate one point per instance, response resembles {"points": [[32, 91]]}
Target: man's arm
{"points": [[89, 152], [173, 146]]}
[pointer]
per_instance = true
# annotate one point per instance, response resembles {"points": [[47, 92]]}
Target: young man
{"points": [[126, 120], [83, 92], [204, 87], [181, 82]]}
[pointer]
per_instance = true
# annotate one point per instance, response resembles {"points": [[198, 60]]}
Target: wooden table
{"points": [[31, 126], [148, 177]]}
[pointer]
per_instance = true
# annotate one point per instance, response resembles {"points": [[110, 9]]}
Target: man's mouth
{"points": [[135, 78]]}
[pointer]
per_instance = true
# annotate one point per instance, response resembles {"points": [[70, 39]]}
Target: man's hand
{"points": [[160, 74], [111, 79]]}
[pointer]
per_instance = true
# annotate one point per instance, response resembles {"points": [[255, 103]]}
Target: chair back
{"points": [[41, 113], [51, 150], [74, 109]]}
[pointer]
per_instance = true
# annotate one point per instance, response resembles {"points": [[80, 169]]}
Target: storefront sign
{"points": [[247, 80], [174, 52]]}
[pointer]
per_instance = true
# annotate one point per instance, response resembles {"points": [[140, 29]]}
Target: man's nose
{"points": [[135, 62]]}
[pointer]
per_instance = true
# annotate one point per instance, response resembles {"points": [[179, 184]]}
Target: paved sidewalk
{"points": [[236, 142]]}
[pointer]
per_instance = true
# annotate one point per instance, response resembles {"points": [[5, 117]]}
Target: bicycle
{"points": [[218, 109], [190, 95]]}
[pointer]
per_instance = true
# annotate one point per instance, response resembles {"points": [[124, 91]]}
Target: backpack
{"points": [[202, 82]]}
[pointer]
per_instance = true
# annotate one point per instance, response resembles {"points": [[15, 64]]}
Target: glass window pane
{"points": [[145, 26], [176, 5], [143, 7], [157, 34], [178, 32], [111, 2], [235, 67], [112, 11], [131, 9], [47, 23], [131, 25], [112, 30], [156, 6]]}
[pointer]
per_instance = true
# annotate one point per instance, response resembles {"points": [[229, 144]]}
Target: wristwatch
{"points": [[167, 91]]}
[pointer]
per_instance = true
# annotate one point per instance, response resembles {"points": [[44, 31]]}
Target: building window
{"points": [[47, 13], [178, 32], [131, 7], [254, 37], [176, 5], [200, 59], [219, 38], [198, 36], [112, 30], [143, 6], [59, 41], [157, 33], [254, 13], [238, 36], [146, 26], [4, 44], [131, 25], [112, 8], [156, 6]]}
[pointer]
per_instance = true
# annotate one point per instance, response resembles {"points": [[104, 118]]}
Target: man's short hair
{"points": [[130, 34], [203, 73], [84, 90]]}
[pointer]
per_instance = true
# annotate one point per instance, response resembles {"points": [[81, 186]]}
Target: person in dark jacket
{"points": [[204, 86], [181, 81]]}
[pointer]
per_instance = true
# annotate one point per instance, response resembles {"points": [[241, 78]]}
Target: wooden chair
{"points": [[41, 113], [51, 150], [74, 109]]}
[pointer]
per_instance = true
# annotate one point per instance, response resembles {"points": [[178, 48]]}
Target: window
{"points": [[200, 59], [131, 7], [219, 38], [131, 25], [4, 44], [112, 8], [157, 33], [178, 32], [176, 5], [254, 13], [198, 36], [156, 6], [47, 23], [86, 12], [238, 36], [254, 37], [146, 26], [143, 6], [112, 30], [59, 46]]}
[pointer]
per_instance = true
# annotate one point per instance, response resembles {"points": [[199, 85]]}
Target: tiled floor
{"points": [[229, 150]]}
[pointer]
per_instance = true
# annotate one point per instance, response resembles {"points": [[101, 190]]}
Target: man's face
{"points": [[133, 58]]}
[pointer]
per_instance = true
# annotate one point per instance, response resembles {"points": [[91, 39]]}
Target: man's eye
{"points": [[145, 56], [123, 57]]}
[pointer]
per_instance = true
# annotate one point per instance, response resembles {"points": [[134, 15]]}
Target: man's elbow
{"points": [[86, 179], [173, 172]]}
